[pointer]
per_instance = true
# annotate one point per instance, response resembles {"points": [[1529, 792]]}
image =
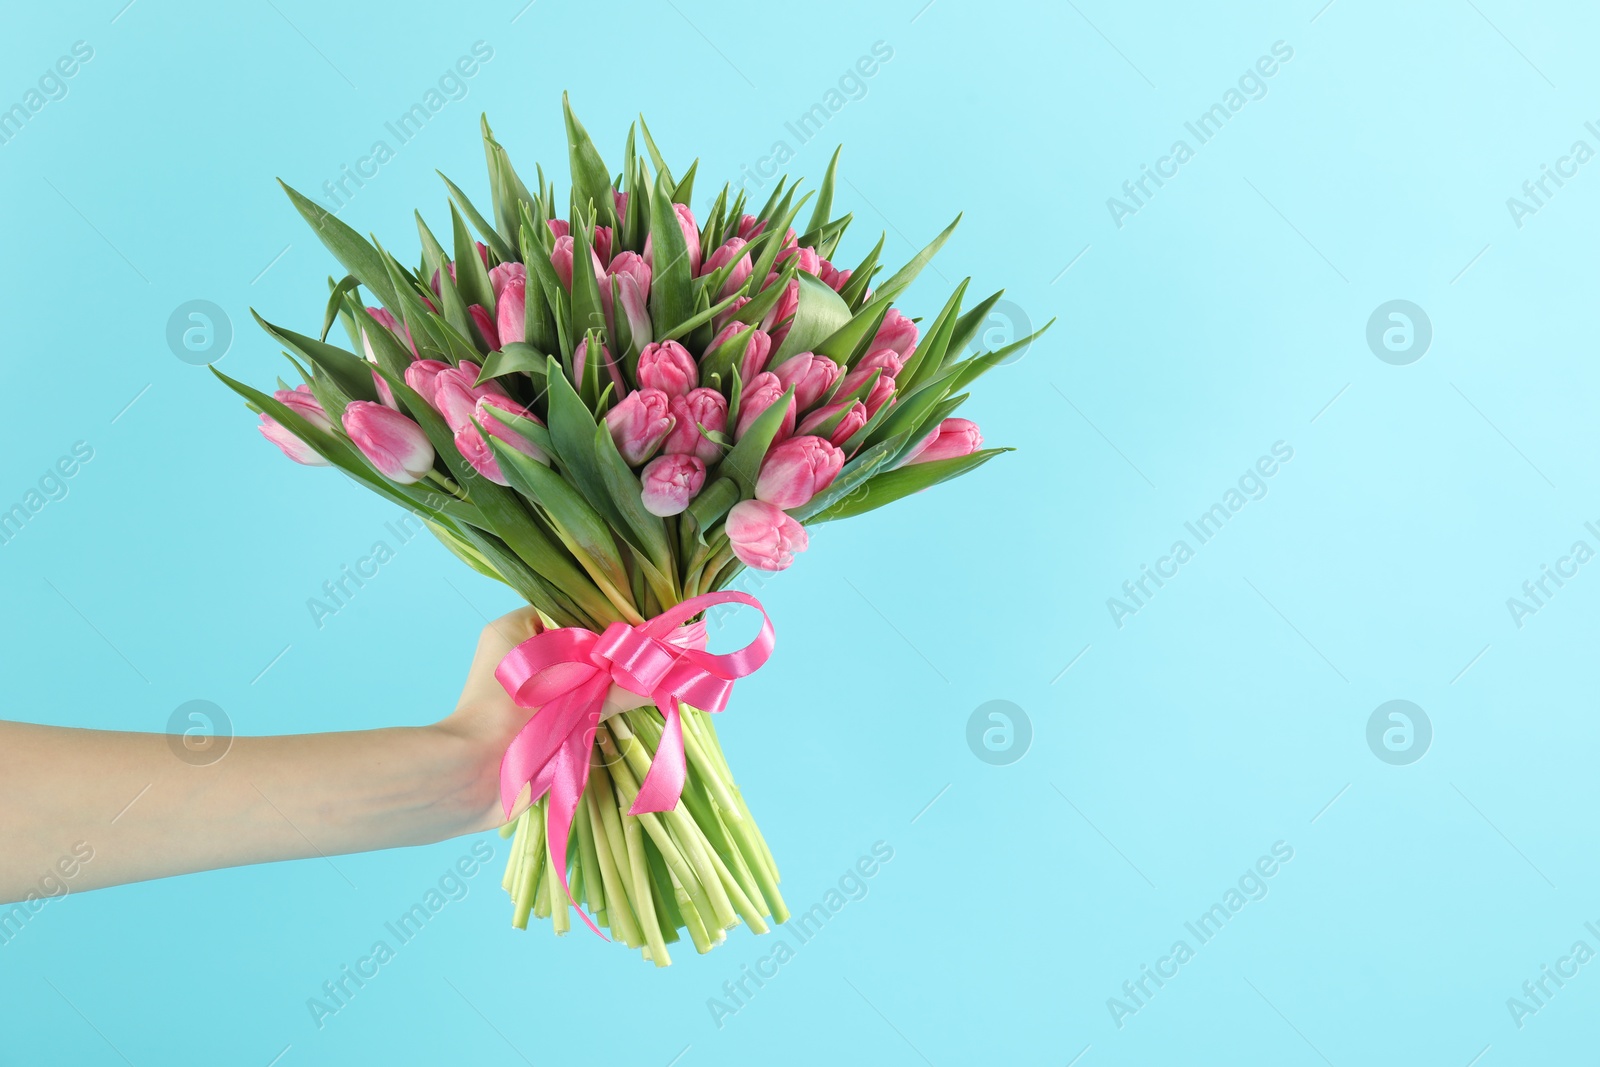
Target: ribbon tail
{"points": [[566, 792], [663, 783]]}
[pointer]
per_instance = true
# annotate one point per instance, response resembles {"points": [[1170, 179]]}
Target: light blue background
{"points": [[1228, 714]]}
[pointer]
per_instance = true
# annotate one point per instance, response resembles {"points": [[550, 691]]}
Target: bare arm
{"points": [[122, 807]]}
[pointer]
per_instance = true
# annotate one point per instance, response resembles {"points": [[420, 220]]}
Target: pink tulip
{"points": [[485, 325], [620, 201], [456, 393], [781, 317], [511, 311], [810, 375], [810, 262], [580, 358], [434, 284], [725, 319], [691, 239], [640, 423], [700, 407], [503, 274], [288, 443], [558, 227], [632, 275], [393, 325], [855, 417], [897, 332], [423, 375], [797, 470], [756, 353], [669, 367], [394, 444], [886, 360], [670, 482], [602, 248], [300, 401], [763, 391], [763, 537], [732, 251], [634, 299], [882, 393], [750, 227], [475, 449], [833, 277], [952, 438], [561, 258]]}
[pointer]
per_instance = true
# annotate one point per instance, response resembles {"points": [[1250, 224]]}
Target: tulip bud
{"points": [[952, 438], [602, 248], [732, 251], [763, 537], [511, 312], [810, 375], [750, 227], [669, 367], [580, 357], [456, 392], [886, 360], [503, 274], [288, 443], [763, 391], [781, 317], [691, 239], [390, 323], [670, 482], [725, 319], [797, 470], [700, 407], [810, 262], [620, 201], [394, 444], [485, 325], [639, 424], [882, 393], [300, 401], [833, 277], [475, 449], [422, 376], [633, 296], [855, 417], [897, 332], [756, 353]]}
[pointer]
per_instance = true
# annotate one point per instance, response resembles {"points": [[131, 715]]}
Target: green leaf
{"points": [[713, 502], [967, 327], [903, 481], [850, 340], [649, 533], [684, 188], [336, 294], [928, 356], [517, 356], [820, 213], [591, 181], [854, 292], [964, 373], [506, 189], [769, 255], [587, 311], [743, 463], [819, 315], [350, 372], [472, 277], [497, 244], [903, 277], [572, 432], [358, 256], [671, 287], [662, 170], [586, 535]]}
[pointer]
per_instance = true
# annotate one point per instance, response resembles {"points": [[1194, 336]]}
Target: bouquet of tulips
{"points": [[613, 408]]}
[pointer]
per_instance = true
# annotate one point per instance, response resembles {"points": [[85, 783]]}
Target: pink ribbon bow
{"points": [[565, 674]]}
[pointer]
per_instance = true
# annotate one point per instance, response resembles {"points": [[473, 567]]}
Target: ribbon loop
{"points": [[564, 676]]}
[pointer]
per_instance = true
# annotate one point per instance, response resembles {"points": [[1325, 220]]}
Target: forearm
{"points": [[146, 813]]}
